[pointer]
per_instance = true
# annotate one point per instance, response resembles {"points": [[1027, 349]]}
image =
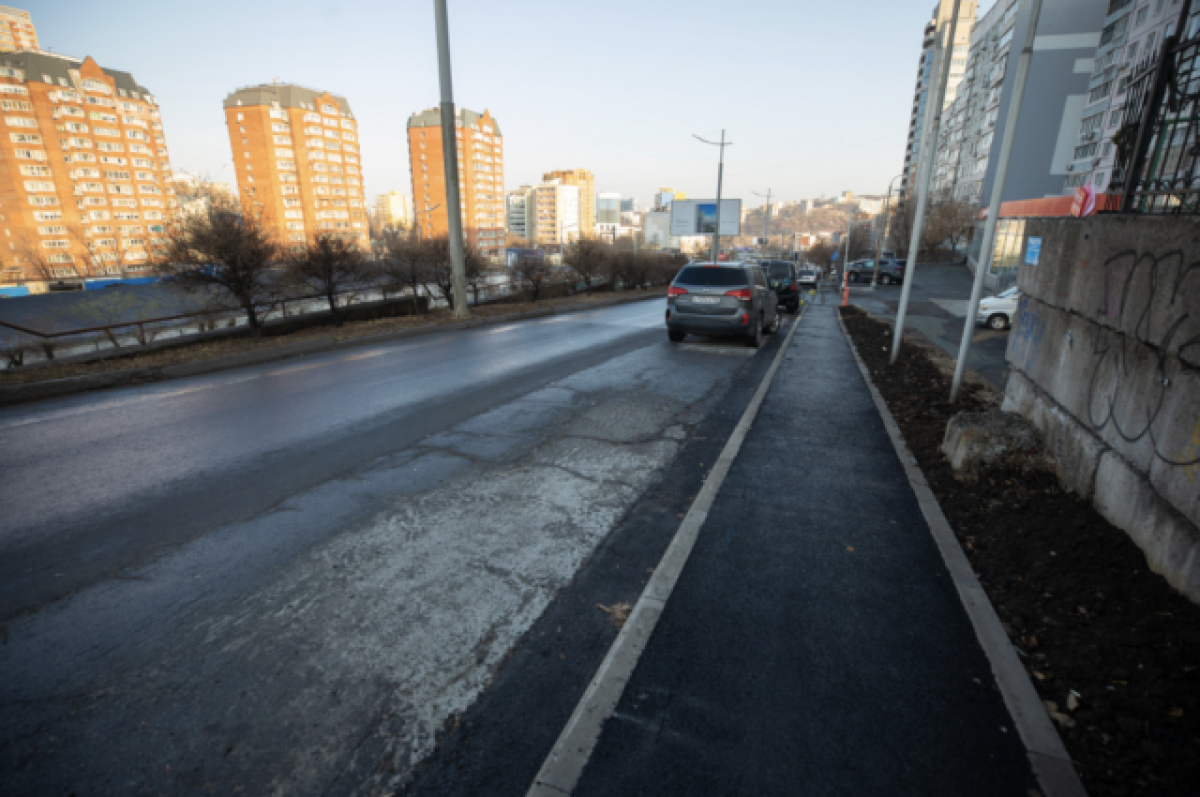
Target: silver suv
{"points": [[721, 299]]}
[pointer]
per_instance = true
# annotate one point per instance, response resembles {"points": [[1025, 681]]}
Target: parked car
{"points": [[721, 299], [783, 279], [891, 272], [808, 277], [997, 312]]}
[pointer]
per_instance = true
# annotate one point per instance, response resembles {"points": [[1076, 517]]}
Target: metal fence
{"points": [[1159, 144]]}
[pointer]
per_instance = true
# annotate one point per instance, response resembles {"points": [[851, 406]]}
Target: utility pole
{"points": [[716, 245], [934, 100], [887, 218], [766, 216], [989, 227], [450, 159]]}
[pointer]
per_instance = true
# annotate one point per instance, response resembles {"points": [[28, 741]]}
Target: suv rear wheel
{"points": [[756, 337]]}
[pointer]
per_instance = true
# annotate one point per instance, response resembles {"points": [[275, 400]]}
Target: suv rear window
{"points": [[780, 270], [714, 276]]}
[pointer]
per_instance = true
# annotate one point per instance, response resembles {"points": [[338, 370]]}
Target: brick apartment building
{"points": [[480, 172], [297, 162], [16, 30], [83, 172]]}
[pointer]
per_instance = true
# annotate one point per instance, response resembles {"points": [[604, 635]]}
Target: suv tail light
{"points": [[742, 295], [673, 291]]}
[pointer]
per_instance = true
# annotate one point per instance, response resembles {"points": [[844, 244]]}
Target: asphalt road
{"points": [[289, 578], [939, 297]]}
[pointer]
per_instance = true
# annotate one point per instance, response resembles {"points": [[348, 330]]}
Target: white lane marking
{"points": [[562, 768]]}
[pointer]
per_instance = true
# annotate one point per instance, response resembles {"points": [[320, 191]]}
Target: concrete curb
{"points": [[563, 766], [1048, 756], [54, 388]]}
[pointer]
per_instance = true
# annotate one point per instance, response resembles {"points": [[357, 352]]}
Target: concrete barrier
{"points": [[1104, 354]]}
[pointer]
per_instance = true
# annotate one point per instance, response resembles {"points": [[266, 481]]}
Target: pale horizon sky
{"points": [[814, 95]]}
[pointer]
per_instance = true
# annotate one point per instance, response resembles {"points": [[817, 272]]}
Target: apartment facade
{"points": [[83, 173], [517, 207], [297, 161], [16, 30], [1130, 44], [394, 209], [586, 182], [554, 213], [480, 177], [958, 65]]}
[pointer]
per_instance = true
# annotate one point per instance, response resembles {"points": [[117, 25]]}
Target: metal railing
{"points": [[1158, 147]]}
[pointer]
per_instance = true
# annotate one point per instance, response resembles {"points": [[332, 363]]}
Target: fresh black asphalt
{"points": [[815, 643]]}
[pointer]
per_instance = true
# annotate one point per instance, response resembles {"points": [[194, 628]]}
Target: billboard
{"points": [[699, 217]]}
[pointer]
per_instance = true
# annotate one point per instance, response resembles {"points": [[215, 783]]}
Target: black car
{"points": [[721, 299], [784, 278], [891, 271]]}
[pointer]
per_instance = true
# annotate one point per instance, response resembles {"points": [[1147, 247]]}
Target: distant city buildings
{"points": [[517, 214], [608, 214], [554, 213], [586, 183], [480, 177], [90, 198], [394, 210], [16, 30], [925, 78], [297, 161]]}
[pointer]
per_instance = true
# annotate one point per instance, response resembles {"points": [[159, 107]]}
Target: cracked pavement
{"points": [[307, 572]]}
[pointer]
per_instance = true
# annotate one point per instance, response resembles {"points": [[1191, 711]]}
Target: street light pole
{"points": [[716, 246], [929, 133], [989, 227], [887, 218], [766, 216], [450, 160]]}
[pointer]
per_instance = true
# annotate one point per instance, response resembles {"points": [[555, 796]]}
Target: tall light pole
{"points": [[935, 97], [989, 227], [766, 216], [450, 160], [716, 247], [887, 218]]}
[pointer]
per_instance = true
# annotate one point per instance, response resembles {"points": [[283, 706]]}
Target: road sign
{"points": [[835, 255]]}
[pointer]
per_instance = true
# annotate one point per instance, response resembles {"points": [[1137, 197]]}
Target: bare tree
{"points": [[227, 259], [588, 259], [533, 273], [328, 266], [476, 272], [405, 264]]}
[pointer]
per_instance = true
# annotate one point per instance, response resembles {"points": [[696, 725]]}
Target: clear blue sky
{"points": [[815, 94]]}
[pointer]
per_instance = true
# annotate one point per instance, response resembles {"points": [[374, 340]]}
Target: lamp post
{"points": [[716, 246], [766, 216], [887, 218], [450, 160]]}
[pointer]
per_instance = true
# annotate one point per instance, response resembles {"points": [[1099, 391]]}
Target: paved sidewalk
{"points": [[814, 644]]}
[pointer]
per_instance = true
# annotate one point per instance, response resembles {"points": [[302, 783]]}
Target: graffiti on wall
{"points": [[1155, 298]]}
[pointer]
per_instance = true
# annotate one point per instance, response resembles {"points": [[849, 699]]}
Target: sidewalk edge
{"points": [[1047, 755], [11, 395], [564, 764]]}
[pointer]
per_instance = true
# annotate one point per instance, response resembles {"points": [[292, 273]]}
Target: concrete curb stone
{"points": [[35, 391]]}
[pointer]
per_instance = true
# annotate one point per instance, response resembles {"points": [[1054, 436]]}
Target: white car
{"points": [[997, 312]]}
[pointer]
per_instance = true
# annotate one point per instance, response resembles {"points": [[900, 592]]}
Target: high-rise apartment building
{"points": [[297, 162], [517, 214], [16, 30], [925, 79], [480, 177], [586, 181], [608, 214], [83, 191], [394, 209], [1130, 44], [553, 213]]}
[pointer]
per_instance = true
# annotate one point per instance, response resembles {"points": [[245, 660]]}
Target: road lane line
{"points": [[564, 765]]}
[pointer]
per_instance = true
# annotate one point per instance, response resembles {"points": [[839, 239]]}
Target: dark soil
{"points": [[1108, 642]]}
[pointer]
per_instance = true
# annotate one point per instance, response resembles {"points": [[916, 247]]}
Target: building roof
{"points": [[38, 66], [288, 95], [432, 117]]}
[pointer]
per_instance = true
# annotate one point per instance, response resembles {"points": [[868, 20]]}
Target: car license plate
{"points": [[705, 300]]}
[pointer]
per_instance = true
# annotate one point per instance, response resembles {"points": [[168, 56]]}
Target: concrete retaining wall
{"points": [[1105, 358]]}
